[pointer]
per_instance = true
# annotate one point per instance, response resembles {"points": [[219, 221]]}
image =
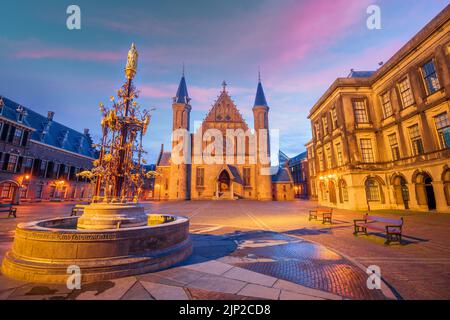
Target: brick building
{"points": [[39, 157], [228, 179]]}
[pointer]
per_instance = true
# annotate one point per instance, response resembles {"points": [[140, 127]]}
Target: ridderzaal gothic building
{"points": [[226, 180]]}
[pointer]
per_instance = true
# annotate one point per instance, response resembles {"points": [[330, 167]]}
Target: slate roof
{"points": [[182, 95], [282, 175], [164, 159], [298, 158], [260, 99], [48, 131]]}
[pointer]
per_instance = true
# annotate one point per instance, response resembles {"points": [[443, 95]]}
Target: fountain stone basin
{"points": [[44, 250]]}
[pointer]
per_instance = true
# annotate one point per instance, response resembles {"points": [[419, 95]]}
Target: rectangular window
{"points": [[386, 103], [12, 162], [430, 77], [6, 190], [372, 190], [360, 109], [395, 151], [317, 126], [366, 151], [247, 177], [329, 158], [42, 168], [405, 93], [321, 164], [416, 140], [17, 140], [340, 160], [443, 129], [38, 191], [334, 119], [325, 125], [200, 177], [28, 165]]}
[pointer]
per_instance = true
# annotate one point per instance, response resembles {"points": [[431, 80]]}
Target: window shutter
{"points": [[11, 134], [19, 164], [5, 161], [25, 138], [4, 132]]}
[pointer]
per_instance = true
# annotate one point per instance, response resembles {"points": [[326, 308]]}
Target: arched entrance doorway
{"points": [[425, 191], [401, 192], [224, 182], [9, 192], [332, 191]]}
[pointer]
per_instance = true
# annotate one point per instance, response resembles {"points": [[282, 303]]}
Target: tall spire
{"points": [[182, 95], [260, 99]]}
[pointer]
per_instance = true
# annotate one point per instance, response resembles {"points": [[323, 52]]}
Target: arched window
{"points": [[372, 190]]}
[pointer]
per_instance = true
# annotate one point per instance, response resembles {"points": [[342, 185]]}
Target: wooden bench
{"points": [[325, 213], [392, 227], [10, 209], [77, 208]]}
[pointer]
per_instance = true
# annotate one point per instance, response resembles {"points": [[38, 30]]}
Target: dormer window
{"points": [[63, 138], [2, 104], [20, 113]]}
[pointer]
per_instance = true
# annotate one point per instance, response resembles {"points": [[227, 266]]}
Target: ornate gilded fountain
{"points": [[114, 237]]}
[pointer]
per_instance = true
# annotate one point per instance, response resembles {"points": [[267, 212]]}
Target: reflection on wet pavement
{"points": [[302, 262]]}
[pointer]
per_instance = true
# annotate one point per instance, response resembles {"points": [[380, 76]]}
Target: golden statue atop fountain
{"points": [[130, 69]]}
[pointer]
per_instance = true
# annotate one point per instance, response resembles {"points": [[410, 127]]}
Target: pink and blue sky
{"points": [[301, 46]]}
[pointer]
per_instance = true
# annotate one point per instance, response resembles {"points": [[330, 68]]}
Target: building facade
{"points": [[298, 167], [381, 139], [228, 178], [40, 158]]}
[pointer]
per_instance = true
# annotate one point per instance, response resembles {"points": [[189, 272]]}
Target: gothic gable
{"points": [[225, 113]]}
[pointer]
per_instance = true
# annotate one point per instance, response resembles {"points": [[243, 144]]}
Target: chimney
{"points": [[50, 115], [86, 131]]}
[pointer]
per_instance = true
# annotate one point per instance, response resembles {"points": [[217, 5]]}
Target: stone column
{"points": [[439, 195], [412, 196]]}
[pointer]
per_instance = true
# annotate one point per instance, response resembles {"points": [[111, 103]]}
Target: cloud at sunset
{"points": [[301, 47]]}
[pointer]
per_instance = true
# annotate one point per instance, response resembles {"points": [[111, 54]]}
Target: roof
{"points": [[260, 99], [435, 24], [360, 74], [298, 158], [164, 159], [282, 158], [48, 131], [182, 95], [235, 172], [225, 110], [282, 175]]}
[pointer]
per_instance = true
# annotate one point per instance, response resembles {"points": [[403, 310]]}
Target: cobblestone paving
{"points": [[304, 263], [223, 231]]}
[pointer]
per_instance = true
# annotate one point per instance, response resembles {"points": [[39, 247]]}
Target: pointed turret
{"points": [[179, 187], [261, 125], [260, 99], [182, 95]]}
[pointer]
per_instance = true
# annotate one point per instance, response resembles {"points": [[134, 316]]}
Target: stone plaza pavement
{"points": [[267, 250]]}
